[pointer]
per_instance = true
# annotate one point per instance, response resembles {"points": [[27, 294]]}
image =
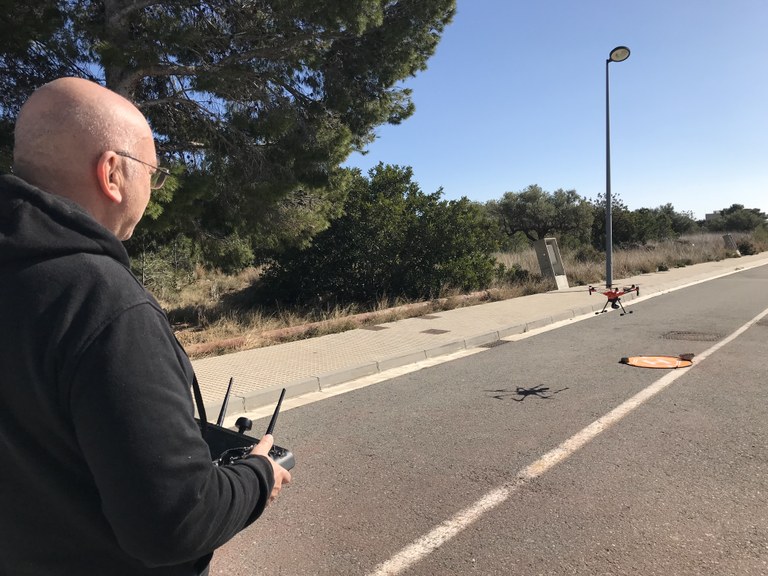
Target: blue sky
{"points": [[515, 95]]}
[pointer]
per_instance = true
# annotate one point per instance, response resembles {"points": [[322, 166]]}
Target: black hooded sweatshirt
{"points": [[103, 469]]}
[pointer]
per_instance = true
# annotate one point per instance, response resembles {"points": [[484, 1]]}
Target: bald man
{"points": [[104, 470]]}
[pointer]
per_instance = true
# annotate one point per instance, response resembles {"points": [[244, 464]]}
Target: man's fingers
{"points": [[266, 441], [264, 445]]}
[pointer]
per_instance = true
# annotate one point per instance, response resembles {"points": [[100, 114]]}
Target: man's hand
{"points": [[282, 476]]}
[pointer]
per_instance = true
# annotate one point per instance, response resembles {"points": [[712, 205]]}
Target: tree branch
{"points": [[135, 6]]}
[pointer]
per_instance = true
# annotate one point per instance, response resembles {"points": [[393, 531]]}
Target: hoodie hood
{"points": [[36, 225]]}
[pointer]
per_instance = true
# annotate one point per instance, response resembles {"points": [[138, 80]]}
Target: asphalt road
{"points": [[674, 484]]}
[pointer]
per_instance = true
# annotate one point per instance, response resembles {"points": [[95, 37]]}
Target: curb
{"points": [[257, 399]]}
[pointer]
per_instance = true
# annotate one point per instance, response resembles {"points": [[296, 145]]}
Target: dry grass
{"points": [[637, 260], [242, 330], [211, 316]]}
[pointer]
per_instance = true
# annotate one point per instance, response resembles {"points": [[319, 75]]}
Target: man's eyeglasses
{"points": [[157, 177]]}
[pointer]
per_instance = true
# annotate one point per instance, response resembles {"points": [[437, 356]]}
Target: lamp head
{"points": [[619, 54]]}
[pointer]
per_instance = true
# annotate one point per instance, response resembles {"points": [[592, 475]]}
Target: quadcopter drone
{"points": [[614, 297]]}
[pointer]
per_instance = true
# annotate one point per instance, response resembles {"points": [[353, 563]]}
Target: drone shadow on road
{"points": [[519, 394]]}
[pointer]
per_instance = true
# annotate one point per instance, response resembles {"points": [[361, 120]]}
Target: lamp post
{"points": [[618, 54]]}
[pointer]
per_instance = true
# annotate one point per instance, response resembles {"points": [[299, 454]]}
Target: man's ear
{"points": [[110, 176]]}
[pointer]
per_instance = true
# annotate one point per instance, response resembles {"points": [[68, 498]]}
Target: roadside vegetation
{"points": [[212, 315], [395, 251]]}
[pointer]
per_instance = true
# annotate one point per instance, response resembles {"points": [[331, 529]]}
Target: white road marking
{"points": [[428, 543]]}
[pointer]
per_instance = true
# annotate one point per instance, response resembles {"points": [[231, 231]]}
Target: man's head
{"points": [[79, 140]]}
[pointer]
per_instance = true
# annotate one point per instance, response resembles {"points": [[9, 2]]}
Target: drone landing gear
{"points": [[615, 305]]}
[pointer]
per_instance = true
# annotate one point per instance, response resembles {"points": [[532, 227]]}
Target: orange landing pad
{"points": [[682, 361]]}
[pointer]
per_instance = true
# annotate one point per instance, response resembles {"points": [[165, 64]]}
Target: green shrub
{"points": [[167, 268], [760, 235], [515, 274], [231, 255], [746, 248], [392, 241]]}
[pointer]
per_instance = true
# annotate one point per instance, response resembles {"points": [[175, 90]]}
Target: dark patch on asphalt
{"points": [[692, 336], [495, 343]]}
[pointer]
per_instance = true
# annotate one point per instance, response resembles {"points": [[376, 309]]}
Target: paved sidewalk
{"points": [[318, 363]]}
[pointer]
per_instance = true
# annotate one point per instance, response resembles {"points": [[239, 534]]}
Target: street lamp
{"points": [[618, 54]]}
